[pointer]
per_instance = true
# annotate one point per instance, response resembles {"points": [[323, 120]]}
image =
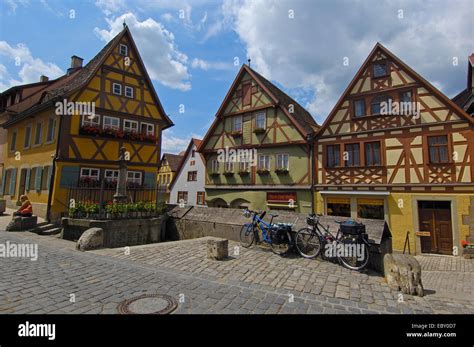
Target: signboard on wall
{"points": [[281, 197]]}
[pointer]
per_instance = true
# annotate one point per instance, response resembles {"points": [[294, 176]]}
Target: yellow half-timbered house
{"points": [[69, 132], [395, 148]]}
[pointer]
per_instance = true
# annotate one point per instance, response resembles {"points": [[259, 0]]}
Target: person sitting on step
{"points": [[26, 209]]}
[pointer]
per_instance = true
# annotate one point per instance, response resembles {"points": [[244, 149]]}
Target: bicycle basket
{"points": [[351, 227]]}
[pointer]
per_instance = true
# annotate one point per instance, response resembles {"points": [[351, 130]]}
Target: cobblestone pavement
{"points": [[252, 281]]}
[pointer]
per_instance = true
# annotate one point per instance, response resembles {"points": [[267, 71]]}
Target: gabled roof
{"points": [[193, 143], [301, 118], [409, 70], [77, 79], [465, 98], [174, 160]]}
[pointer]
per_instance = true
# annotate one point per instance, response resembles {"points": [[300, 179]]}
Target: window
{"points": [[263, 162], [237, 124], [13, 142], [193, 153], [129, 92], [352, 154], [246, 94], [51, 130], [201, 198], [147, 128], [44, 179], [378, 102], [192, 162], [214, 166], [370, 208], [31, 183], [359, 108], [192, 175], [130, 126], [380, 69], [117, 89], [134, 177], [38, 134], [338, 207], [438, 149], [229, 166], [111, 175], [333, 156], [372, 154], [27, 142], [89, 120], [182, 198], [282, 161], [123, 49], [244, 166], [405, 103], [260, 120], [90, 173], [111, 123]]}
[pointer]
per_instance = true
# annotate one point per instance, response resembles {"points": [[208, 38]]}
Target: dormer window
{"points": [[380, 69], [123, 49], [117, 89]]}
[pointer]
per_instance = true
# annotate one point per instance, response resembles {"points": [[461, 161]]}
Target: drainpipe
{"points": [[53, 168], [310, 139]]}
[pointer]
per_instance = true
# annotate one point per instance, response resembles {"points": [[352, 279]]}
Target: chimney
{"points": [[44, 78], [76, 62]]}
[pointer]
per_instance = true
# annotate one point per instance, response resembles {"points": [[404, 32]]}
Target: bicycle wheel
{"points": [[279, 247], [308, 243], [247, 235], [358, 255]]}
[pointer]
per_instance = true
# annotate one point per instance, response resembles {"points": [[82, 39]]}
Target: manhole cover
{"points": [[148, 304]]}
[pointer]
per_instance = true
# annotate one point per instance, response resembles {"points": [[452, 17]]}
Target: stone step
{"points": [[44, 226], [52, 231]]}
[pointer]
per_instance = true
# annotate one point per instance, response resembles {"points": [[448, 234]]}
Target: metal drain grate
{"points": [[148, 304]]}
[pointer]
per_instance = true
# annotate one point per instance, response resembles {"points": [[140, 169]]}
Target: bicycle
{"points": [[310, 242], [278, 235]]}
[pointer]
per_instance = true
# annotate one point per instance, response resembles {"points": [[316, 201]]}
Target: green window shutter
{"points": [[69, 176], [50, 172], [27, 180], [38, 178], [149, 179], [13, 182], [4, 178]]}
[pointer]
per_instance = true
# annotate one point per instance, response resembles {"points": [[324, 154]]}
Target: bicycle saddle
{"points": [[273, 215]]}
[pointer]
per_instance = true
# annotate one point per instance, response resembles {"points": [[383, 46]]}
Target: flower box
{"points": [[244, 173], [214, 174], [259, 130], [228, 173], [281, 171], [236, 133], [263, 171]]}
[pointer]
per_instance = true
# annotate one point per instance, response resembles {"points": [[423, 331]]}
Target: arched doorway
{"points": [[240, 203], [218, 202]]}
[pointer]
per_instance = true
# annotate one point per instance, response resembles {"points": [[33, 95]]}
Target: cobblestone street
{"points": [[250, 281]]}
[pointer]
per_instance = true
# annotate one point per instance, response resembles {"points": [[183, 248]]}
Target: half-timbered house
{"points": [[53, 144], [395, 148], [256, 151], [169, 165]]}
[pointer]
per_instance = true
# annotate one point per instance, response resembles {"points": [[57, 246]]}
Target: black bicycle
{"points": [[350, 245]]}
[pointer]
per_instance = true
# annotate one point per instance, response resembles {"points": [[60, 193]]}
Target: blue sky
{"points": [[189, 47]]}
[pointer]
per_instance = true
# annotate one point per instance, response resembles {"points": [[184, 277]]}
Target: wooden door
{"points": [[435, 217], [22, 188]]}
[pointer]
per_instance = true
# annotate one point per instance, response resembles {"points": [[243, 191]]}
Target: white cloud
{"points": [[207, 65], [30, 68], [308, 51], [157, 47], [13, 5], [174, 144], [109, 7]]}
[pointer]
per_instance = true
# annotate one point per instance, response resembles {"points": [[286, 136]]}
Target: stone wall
{"points": [[118, 233], [193, 222]]}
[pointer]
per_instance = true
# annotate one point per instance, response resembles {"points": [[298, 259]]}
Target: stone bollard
{"points": [[403, 273], [91, 239], [217, 249]]}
